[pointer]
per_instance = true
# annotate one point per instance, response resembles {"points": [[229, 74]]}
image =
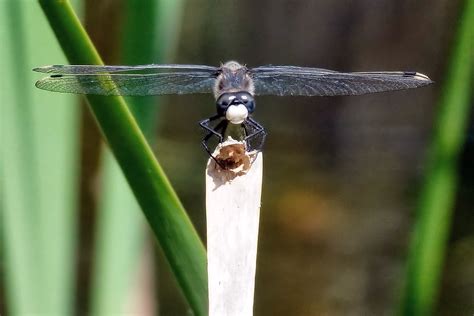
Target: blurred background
{"points": [[342, 175]]}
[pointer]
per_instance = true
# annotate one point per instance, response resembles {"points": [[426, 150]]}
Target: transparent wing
{"points": [[96, 69], [130, 84], [302, 81]]}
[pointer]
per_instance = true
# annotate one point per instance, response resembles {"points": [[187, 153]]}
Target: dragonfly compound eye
{"points": [[224, 101], [246, 99]]}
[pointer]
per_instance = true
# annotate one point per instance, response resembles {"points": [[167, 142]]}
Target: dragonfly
{"points": [[233, 85]]}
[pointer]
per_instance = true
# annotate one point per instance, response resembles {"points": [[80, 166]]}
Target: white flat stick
{"points": [[233, 211]]}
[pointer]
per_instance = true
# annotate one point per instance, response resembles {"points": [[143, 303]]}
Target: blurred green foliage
{"points": [[39, 170], [437, 198]]}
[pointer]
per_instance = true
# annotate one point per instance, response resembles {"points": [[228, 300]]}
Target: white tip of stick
{"points": [[233, 211]]}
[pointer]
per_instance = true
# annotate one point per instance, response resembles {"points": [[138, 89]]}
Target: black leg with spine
{"points": [[252, 128]]}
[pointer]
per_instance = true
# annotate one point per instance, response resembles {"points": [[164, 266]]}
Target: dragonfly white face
{"points": [[236, 114]]}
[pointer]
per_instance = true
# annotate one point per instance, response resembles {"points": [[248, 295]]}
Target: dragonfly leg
{"points": [[213, 131], [257, 130], [206, 124]]}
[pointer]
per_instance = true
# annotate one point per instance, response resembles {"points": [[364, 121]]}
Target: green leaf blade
{"points": [[160, 204]]}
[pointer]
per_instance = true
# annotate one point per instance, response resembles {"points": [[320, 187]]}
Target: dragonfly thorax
{"points": [[233, 77]]}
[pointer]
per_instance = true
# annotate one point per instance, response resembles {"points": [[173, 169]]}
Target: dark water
{"points": [[342, 174]]}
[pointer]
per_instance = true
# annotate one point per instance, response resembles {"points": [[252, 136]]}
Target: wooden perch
{"points": [[233, 210]]}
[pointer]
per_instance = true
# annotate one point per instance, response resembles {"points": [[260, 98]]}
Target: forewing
{"points": [[97, 69], [302, 81], [130, 84]]}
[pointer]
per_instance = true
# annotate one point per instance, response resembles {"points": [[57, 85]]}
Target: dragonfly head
{"points": [[235, 106]]}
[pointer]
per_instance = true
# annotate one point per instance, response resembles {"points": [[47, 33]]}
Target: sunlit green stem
{"points": [[159, 202]]}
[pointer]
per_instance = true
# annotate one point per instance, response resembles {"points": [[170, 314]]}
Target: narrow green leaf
{"points": [[154, 193], [38, 178], [436, 203], [119, 220]]}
